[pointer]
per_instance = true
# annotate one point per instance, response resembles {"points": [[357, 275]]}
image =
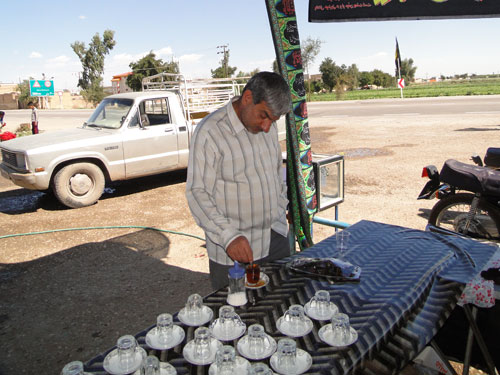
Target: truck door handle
{"points": [[169, 130]]}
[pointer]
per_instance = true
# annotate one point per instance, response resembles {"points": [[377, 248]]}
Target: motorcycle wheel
{"points": [[451, 212]]}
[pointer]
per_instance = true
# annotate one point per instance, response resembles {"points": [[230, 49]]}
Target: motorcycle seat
{"points": [[492, 157], [471, 177]]}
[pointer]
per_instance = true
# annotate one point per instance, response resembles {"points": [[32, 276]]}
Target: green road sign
{"points": [[41, 87]]}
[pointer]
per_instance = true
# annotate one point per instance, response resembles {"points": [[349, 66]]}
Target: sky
{"points": [[37, 37]]}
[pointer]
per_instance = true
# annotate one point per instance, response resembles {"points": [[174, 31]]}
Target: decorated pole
{"points": [[300, 174], [398, 68]]}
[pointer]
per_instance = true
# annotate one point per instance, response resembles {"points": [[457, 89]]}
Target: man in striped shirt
{"points": [[235, 187]]}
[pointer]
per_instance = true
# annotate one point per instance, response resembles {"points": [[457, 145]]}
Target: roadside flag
{"points": [[398, 57]]}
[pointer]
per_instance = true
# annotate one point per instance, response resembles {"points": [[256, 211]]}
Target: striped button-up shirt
{"points": [[235, 185]]}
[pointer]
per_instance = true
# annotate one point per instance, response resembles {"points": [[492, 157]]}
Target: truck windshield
{"points": [[110, 113]]}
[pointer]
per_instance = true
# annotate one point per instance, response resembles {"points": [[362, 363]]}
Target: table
{"points": [[410, 282]]}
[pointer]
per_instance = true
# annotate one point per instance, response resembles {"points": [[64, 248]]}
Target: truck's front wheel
{"points": [[79, 184]]}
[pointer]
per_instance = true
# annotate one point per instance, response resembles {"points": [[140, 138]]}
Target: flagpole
{"points": [[400, 88], [398, 66]]}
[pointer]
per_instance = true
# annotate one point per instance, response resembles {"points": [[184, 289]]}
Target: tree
{"points": [[92, 59], [224, 70], [148, 66], [309, 50], [24, 97], [408, 70], [365, 79], [352, 77], [382, 79], [330, 73]]}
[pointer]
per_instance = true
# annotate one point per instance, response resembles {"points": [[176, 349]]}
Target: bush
{"points": [[23, 129]]}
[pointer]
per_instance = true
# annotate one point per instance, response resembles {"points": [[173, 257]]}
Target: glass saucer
{"points": [[153, 340], [263, 281], [222, 335], [325, 334], [188, 354], [284, 327], [206, 316], [112, 365], [242, 366], [165, 369], [303, 363], [242, 347], [313, 313]]}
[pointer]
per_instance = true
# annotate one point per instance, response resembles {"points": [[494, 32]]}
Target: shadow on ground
{"points": [[424, 213], [495, 128], [19, 201], [88, 295]]}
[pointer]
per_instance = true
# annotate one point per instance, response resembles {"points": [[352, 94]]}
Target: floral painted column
{"points": [[300, 174]]}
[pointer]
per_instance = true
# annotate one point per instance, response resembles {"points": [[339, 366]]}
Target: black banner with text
{"points": [[378, 10]]}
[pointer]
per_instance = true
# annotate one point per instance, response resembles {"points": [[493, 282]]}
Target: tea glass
{"points": [[258, 340], [73, 368], [164, 328], [260, 368], [295, 320], [152, 366], [287, 355], [202, 349], [229, 321], [225, 359], [194, 307], [320, 303], [126, 349], [342, 239], [253, 273], [341, 329]]}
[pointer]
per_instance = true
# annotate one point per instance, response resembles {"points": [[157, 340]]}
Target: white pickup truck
{"points": [[128, 135]]}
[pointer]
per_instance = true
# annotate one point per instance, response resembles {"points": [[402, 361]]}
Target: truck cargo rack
{"points": [[199, 96]]}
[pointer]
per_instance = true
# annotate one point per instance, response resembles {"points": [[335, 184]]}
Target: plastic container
{"points": [[237, 295]]}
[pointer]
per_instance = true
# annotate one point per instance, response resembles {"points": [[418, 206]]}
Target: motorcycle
{"points": [[468, 196]]}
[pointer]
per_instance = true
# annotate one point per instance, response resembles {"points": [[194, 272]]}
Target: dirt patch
{"points": [[69, 295]]}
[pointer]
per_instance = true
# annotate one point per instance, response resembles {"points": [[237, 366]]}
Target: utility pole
{"points": [[224, 52]]}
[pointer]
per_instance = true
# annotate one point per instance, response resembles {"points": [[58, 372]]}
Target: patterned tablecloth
{"points": [[481, 292], [410, 282]]}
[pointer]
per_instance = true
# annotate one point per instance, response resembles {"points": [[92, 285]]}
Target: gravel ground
{"points": [[69, 295]]}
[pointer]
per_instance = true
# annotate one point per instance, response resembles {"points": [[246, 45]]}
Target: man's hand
{"points": [[239, 250]]}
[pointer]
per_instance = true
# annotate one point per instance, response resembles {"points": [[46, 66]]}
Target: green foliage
{"points": [[339, 78], [23, 129], [224, 70], [382, 79], [351, 77], [92, 60], [330, 73], [148, 66], [315, 86], [310, 48], [24, 97], [365, 79], [447, 88], [408, 70], [94, 92]]}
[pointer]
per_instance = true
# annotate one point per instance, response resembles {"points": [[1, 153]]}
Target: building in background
{"points": [[119, 83], [8, 96]]}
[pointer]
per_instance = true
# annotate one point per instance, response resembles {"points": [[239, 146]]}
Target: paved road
{"points": [[407, 107], [49, 120], [59, 119]]}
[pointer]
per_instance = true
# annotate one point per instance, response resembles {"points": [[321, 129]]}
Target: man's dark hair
{"points": [[271, 88]]}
